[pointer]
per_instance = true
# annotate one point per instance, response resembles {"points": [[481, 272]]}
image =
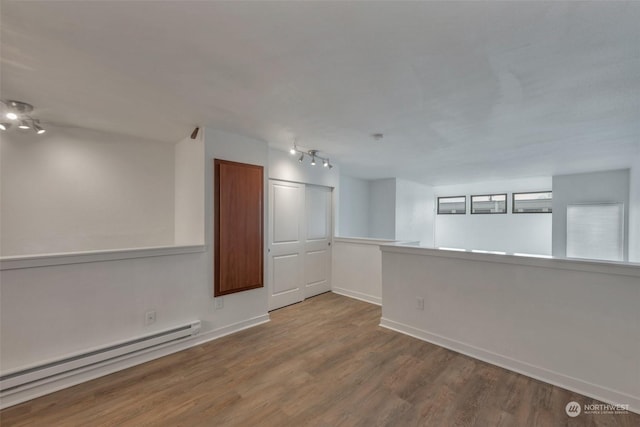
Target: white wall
{"points": [[382, 208], [634, 211], [353, 207], [49, 312], [570, 323], [189, 191], [414, 212], [522, 233], [595, 187], [77, 190], [357, 268]]}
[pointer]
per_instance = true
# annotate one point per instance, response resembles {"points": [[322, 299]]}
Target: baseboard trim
{"points": [[78, 376], [595, 391], [357, 295]]}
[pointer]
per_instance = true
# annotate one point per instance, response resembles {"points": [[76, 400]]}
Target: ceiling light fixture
{"points": [[36, 126], [313, 155], [20, 111]]}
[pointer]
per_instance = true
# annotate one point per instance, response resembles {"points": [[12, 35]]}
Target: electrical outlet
{"points": [[218, 303], [149, 317], [420, 303]]}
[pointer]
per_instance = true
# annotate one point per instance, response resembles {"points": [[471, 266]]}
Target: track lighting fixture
{"points": [[21, 112], [36, 126], [313, 155]]}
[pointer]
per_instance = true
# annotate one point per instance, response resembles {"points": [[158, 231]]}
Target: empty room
{"points": [[319, 213]]}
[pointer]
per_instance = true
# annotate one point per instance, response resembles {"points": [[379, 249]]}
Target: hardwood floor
{"points": [[323, 362]]}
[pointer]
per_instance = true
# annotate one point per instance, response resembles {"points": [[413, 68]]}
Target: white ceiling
{"points": [[462, 90]]}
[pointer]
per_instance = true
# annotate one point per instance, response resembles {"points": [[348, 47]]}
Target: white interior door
{"points": [[286, 243], [317, 244]]}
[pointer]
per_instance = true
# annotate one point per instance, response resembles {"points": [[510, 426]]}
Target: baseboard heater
{"points": [[21, 377]]}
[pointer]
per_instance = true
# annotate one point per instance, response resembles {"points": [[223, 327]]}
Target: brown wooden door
{"points": [[238, 224]]}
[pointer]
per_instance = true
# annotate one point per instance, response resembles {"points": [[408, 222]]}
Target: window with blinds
{"points": [[489, 204], [596, 231], [452, 205], [538, 202]]}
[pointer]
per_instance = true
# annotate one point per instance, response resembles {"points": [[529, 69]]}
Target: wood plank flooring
{"points": [[323, 362]]}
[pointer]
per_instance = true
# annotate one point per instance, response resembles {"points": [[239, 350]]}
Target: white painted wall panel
{"points": [[77, 190], [357, 268], [414, 212], [570, 323], [512, 233], [353, 209], [49, 312], [382, 208], [189, 191]]}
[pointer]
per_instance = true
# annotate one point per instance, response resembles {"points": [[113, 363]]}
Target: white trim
{"points": [[363, 240], [574, 384], [69, 379], [43, 260], [621, 269], [357, 295]]}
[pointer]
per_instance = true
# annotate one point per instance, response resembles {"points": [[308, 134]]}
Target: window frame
{"points": [[513, 202], [506, 203], [451, 213]]}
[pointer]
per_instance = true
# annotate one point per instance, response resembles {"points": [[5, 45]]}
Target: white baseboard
{"points": [[357, 295], [69, 379], [564, 381]]}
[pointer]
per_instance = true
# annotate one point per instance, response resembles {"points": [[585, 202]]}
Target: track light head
{"points": [[325, 163], [5, 126], [292, 151], [11, 116], [39, 130], [24, 125], [301, 158]]}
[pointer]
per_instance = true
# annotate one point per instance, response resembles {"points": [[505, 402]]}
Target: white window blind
{"points": [[596, 231]]}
